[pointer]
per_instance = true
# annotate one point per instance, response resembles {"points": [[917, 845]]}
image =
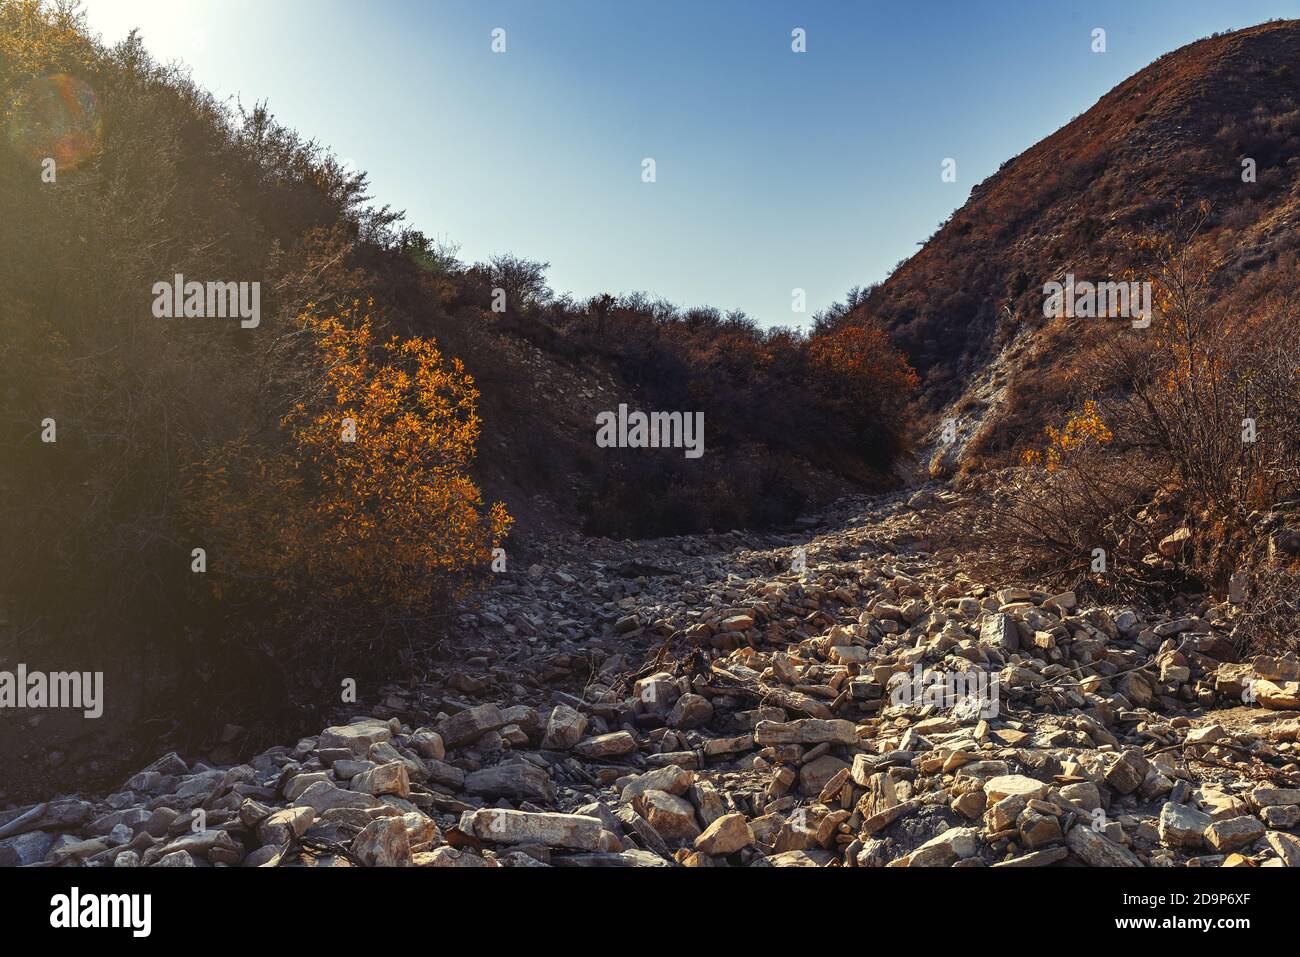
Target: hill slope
{"points": [[968, 307]]}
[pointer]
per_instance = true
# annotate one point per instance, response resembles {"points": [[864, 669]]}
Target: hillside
{"points": [[967, 308]]}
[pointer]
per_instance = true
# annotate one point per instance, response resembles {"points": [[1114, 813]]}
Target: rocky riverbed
{"points": [[833, 696]]}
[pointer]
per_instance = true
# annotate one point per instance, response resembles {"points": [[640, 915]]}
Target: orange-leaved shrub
{"points": [[363, 524]]}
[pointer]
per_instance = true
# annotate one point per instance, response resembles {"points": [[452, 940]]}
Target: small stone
{"points": [[1182, 826], [564, 728], [501, 826], [673, 817], [518, 780], [1007, 785], [1234, 833], [726, 835], [814, 775], [429, 744], [1127, 772], [469, 725], [613, 745], [805, 731], [690, 711], [391, 778], [1096, 850], [383, 843]]}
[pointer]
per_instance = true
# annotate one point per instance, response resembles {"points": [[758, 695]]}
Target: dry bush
{"points": [[1201, 404], [1045, 525], [1270, 619]]}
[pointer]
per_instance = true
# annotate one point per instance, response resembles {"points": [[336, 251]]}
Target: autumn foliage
{"points": [[370, 504]]}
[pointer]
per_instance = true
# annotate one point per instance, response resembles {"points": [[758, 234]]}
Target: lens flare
{"points": [[55, 117]]}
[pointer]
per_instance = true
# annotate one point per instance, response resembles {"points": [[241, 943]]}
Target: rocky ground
{"points": [[835, 696]]}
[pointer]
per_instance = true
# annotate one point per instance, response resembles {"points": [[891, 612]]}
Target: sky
{"points": [[774, 170]]}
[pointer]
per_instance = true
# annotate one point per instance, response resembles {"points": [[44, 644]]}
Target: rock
{"points": [[518, 780], [1008, 785], [805, 731], [429, 744], [285, 825], [422, 831], [448, 857], [1127, 772], [1265, 796], [1286, 846], [1234, 833], [1172, 545], [1276, 669], [301, 782], [1038, 829], [850, 654], [690, 711], [1283, 816], [726, 835], [672, 779], [389, 778], [24, 849], [1207, 734], [444, 774], [175, 859], [1043, 858], [657, 692], [1094, 849], [1084, 795], [706, 801], [882, 819], [469, 725], [814, 775], [970, 805], [531, 827], [945, 848], [1000, 632], [613, 745], [673, 817], [1135, 688], [1182, 826], [813, 857], [356, 738], [1284, 696], [322, 796], [564, 728], [383, 843]]}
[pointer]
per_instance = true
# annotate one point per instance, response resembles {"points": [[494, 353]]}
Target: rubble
{"points": [[742, 710]]}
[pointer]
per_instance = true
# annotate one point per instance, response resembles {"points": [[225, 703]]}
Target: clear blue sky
{"points": [[775, 170]]}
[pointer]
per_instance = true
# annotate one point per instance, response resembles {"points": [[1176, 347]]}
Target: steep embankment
{"points": [[968, 307]]}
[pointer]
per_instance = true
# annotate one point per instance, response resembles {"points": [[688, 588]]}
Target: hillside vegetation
{"points": [[231, 515]]}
